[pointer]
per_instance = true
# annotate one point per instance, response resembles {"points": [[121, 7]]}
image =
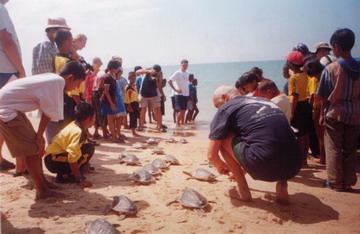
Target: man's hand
{"points": [[113, 107], [222, 168], [179, 91], [40, 142]]}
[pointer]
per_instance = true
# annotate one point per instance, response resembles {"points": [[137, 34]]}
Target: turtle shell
{"points": [[99, 226], [157, 150], [160, 164], [201, 174], [171, 159], [129, 159], [143, 177], [139, 145], [191, 199], [151, 169], [123, 205]]}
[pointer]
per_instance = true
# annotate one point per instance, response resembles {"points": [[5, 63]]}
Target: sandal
{"points": [[118, 140], [6, 165], [16, 173], [122, 136], [332, 186], [97, 137]]}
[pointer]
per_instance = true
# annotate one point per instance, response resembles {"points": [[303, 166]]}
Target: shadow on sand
{"points": [[7, 227], [299, 210]]}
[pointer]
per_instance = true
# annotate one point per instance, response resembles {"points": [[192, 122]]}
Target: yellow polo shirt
{"points": [[298, 83], [66, 146]]}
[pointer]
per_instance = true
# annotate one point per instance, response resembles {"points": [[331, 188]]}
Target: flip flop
{"points": [[334, 187], [16, 173], [119, 140]]}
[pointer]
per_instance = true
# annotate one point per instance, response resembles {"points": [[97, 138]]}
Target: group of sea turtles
{"points": [[124, 206]]}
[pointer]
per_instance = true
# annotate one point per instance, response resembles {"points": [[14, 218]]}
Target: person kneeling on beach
{"points": [[69, 153], [46, 93], [253, 136]]}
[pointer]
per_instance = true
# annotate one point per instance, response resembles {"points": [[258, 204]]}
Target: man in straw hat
{"points": [[44, 58], [44, 53], [322, 52]]}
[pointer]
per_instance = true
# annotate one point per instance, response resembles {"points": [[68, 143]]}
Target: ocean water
{"points": [[210, 76]]}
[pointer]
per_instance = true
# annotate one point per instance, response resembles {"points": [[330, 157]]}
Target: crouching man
{"points": [[253, 136]]}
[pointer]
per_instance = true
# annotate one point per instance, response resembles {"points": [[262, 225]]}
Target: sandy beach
{"points": [[313, 209]]}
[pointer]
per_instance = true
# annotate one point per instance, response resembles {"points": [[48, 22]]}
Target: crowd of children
{"points": [[322, 103]]}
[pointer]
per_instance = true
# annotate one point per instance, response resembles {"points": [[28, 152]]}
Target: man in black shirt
{"points": [[254, 136]]}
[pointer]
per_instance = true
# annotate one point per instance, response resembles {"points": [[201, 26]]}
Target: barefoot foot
{"points": [[282, 196], [235, 194]]}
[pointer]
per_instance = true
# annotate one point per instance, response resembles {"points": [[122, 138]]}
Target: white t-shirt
{"points": [[283, 102], [180, 80], [326, 60], [44, 92], [5, 23]]}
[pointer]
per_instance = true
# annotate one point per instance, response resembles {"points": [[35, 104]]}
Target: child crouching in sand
{"points": [[69, 153]]}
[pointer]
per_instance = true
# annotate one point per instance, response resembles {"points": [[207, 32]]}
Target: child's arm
{"points": [[294, 104], [143, 71], [107, 94], [40, 142], [79, 179], [159, 86]]}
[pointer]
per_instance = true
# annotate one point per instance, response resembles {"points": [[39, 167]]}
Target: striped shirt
{"points": [[342, 93], [43, 58]]}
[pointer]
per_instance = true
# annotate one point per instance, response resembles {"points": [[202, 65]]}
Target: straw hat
{"points": [[57, 23]]}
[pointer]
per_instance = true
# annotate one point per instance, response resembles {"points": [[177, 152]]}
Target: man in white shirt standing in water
{"points": [[179, 82]]}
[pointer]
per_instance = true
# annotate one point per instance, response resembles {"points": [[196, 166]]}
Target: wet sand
{"points": [[313, 209]]}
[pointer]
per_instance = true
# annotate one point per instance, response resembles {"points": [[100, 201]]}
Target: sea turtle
{"points": [[123, 206], [129, 159], [151, 169], [157, 150], [152, 141], [142, 176], [183, 141], [191, 199], [139, 145], [171, 159], [162, 165], [201, 174], [99, 226], [170, 140]]}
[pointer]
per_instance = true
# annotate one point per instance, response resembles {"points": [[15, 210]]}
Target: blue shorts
{"points": [[181, 102]]}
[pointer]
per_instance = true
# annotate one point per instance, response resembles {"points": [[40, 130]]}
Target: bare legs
{"points": [[242, 191], [33, 164], [180, 117]]}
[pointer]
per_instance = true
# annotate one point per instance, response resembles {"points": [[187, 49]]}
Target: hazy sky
{"points": [[145, 32]]}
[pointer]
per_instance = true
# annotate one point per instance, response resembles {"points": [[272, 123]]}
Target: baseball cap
{"points": [[295, 57]]}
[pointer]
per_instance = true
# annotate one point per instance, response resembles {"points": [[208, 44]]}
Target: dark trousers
{"points": [[134, 115], [341, 141], [63, 167]]}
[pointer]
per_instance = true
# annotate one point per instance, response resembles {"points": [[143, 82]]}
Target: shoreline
{"points": [[313, 208]]}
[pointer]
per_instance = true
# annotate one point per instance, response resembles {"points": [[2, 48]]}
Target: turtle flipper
{"points": [[200, 211], [173, 201]]}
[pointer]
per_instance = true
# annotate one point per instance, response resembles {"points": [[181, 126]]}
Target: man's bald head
{"points": [[223, 94]]}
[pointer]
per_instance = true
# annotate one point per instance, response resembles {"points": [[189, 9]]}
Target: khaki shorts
{"points": [[153, 102], [19, 136]]}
